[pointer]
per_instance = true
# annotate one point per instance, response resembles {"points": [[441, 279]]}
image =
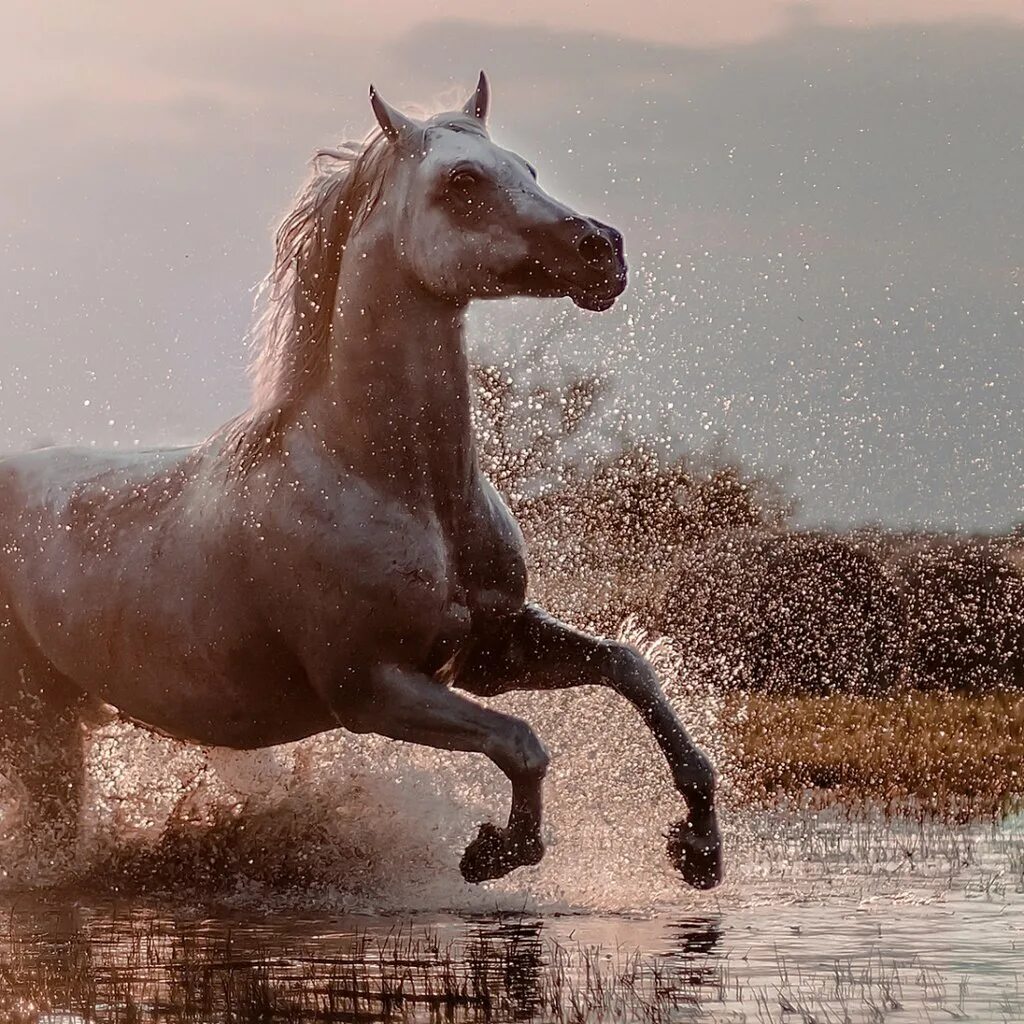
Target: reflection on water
{"points": [[923, 923]]}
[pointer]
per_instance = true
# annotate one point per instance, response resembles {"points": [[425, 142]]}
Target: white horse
{"points": [[333, 557]]}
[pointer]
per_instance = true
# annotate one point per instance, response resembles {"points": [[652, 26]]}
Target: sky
{"points": [[821, 205]]}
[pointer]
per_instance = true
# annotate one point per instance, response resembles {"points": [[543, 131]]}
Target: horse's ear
{"points": [[477, 104], [395, 125]]}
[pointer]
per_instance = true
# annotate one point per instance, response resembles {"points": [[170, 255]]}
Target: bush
{"points": [[965, 617], [785, 613], [622, 525], [605, 512]]}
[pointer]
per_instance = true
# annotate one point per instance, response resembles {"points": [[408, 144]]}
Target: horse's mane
{"points": [[295, 302]]}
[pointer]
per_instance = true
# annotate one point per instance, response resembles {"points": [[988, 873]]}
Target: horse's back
{"points": [[79, 529], [66, 482]]}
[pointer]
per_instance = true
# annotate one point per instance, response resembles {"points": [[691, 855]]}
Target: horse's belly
{"points": [[253, 694], [231, 724], [249, 728], [199, 668]]}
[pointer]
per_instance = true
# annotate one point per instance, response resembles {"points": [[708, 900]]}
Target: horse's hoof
{"points": [[697, 856], [497, 851]]}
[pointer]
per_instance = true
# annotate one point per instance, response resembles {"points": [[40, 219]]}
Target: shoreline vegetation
{"points": [[857, 672], [956, 756], [852, 674], [867, 666]]}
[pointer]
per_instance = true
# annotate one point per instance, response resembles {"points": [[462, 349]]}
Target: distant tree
{"points": [[606, 511]]}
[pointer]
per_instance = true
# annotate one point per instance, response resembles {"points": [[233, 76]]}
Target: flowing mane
{"points": [[290, 337]]}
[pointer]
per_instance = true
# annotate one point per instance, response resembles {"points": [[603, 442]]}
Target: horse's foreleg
{"points": [[412, 707], [537, 652]]}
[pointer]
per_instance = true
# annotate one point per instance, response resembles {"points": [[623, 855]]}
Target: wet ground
{"points": [[823, 919]]}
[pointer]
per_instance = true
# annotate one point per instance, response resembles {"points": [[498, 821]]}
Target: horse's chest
{"points": [[356, 578], [366, 580], [491, 561]]}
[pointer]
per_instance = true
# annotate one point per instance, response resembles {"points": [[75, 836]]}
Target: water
{"points": [[834, 921], [319, 881]]}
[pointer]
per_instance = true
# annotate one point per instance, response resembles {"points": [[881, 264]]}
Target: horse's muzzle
{"points": [[602, 277]]}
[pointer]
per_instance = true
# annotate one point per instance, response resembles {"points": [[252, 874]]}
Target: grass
{"points": [[959, 755], [134, 971], [167, 975]]}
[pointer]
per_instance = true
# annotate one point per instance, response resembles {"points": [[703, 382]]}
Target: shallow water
{"points": [[320, 882], [832, 920]]}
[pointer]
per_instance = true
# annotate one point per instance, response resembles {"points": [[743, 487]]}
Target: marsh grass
{"points": [[841, 730], [133, 971], [953, 755], [398, 977]]}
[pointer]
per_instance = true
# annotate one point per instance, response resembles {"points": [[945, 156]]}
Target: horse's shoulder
{"points": [[311, 489]]}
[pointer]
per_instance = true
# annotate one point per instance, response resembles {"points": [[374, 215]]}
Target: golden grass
{"points": [[961, 755]]}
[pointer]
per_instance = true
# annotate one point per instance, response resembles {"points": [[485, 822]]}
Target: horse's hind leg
{"points": [[408, 706], [41, 740], [537, 652]]}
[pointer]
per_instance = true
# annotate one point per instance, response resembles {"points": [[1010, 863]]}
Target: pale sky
{"points": [[822, 208], [720, 23], [724, 22]]}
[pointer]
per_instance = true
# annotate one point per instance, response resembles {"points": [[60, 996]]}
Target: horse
{"points": [[333, 557]]}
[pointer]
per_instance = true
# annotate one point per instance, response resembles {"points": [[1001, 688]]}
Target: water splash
{"points": [[366, 824]]}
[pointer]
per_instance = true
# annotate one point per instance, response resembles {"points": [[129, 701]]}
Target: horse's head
{"points": [[472, 222]]}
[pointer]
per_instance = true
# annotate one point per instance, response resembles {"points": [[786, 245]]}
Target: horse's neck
{"points": [[396, 399]]}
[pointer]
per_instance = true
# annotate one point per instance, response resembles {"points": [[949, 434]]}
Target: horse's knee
{"points": [[518, 751], [533, 754]]}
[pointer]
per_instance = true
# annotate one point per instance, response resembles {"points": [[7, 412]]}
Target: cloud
{"points": [[824, 227]]}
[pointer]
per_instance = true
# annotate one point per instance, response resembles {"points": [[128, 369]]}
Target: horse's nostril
{"points": [[595, 248]]}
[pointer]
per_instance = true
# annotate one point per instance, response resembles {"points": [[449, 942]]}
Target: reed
{"points": [[132, 971], [957, 755]]}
